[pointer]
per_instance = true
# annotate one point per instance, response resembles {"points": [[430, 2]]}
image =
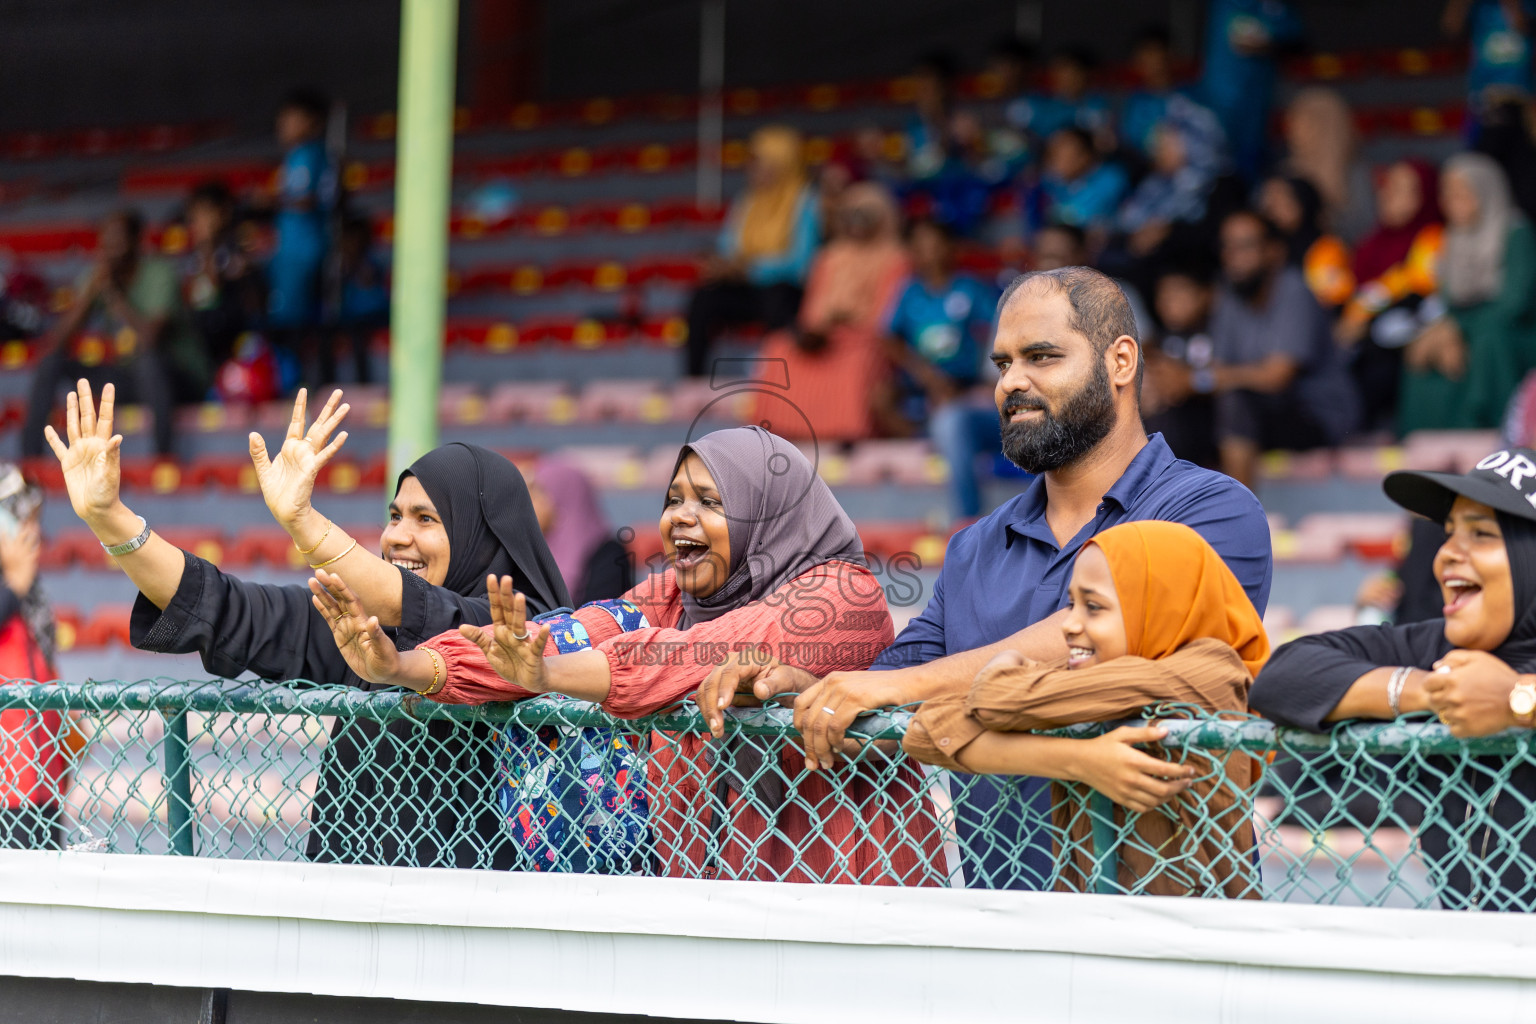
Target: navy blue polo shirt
{"points": [[1006, 572]]}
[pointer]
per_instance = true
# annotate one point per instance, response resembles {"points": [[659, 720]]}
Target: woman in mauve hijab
{"points": [[763, 566]]}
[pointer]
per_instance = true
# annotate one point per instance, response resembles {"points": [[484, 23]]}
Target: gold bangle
{"points": [[438, 669], [328, 561], [327, 533]]}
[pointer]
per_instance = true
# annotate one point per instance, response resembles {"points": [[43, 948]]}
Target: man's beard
{"points": [[1249, 288], [1054, 441]]}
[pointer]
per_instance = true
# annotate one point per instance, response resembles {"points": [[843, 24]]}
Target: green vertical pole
{"points": [[423, 176], [178, 785]]}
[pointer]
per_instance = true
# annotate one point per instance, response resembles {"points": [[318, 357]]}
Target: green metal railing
{"points": [[1397, 813]]}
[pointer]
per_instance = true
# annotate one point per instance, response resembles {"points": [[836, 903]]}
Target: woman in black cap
{"points": [[1471, 668], [459, 512]]}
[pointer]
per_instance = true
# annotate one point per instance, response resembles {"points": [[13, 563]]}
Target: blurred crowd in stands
{"points": [[267, 289], [1289, 295]]}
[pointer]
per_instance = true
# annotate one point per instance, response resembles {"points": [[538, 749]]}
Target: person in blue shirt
{"points": [[1500, 62], [1075, 186], [306, 194], [364, 300], [1242, 39], [1069, 104], [1147, 106], [938, 327], [1069, 370]]}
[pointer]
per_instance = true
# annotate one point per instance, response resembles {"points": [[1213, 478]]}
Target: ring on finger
{"points": [[829, 711], [524, 635]]}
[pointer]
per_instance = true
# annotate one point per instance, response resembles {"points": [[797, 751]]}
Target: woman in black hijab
{"points": [[1471, 668], [459, 513]]}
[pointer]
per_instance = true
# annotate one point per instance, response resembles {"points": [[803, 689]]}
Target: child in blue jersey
{"points": [[940, 328], [1069, 104], [305, 194], [1500, 64]]}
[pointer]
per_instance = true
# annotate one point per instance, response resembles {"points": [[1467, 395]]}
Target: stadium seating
{"points": [[565, 319]]}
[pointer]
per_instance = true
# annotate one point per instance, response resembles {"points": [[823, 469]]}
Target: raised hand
{"points": [[362, 642], [515, 652], [92, 461], [288, 481]]}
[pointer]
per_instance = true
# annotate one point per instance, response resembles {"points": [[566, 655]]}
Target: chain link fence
{"points": [[1398, 814]]}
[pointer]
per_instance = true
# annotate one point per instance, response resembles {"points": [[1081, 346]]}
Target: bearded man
{"points": [[1069, 377]]}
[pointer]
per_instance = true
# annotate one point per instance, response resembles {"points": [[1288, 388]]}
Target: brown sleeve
{"points": [[940, 730], [1206, 673]]}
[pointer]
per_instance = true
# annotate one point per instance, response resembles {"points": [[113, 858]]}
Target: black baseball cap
{"points": [[1504, 480]]}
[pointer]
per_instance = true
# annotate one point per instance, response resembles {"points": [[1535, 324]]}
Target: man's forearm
{"points": [[955, 673]]}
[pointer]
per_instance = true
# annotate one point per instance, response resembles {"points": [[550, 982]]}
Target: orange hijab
{"points": [[1174, 588]]}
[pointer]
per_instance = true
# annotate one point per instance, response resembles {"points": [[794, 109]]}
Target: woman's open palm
{"points": [[514, 651], [361, 640], [92, 460], [288, 481]]}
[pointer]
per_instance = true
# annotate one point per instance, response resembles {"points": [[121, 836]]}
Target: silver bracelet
{"points": [[133, 545], [1395, 686]]}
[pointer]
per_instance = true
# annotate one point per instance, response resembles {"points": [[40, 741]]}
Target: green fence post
{"points": [[1106, 855], [423, 180], [178, 785]]}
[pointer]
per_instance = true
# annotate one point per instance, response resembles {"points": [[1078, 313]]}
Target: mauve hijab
{"points": [[491, 524], [782, 518]]}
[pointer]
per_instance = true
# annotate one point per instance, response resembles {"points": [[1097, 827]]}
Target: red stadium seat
{"points": [[108, 623], [1453, 451]]}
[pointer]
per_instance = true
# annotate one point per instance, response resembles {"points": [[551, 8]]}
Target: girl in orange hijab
{"points": [[1155, 618]]}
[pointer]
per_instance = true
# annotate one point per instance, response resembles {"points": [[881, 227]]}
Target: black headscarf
{"points": [[491, 525], [1519, 648], [1310, 229]]}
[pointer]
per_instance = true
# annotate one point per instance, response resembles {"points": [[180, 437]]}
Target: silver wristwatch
{"points": [[132, 545]]}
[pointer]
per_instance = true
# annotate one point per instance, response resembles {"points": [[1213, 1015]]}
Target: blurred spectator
{"points": [[765, 248], [364, 308], [223, 288], [941, 333], [1060, 245], [928, 128], [1242, 39], [306, 194], [1147, 106], [1507, 132], [1185, 165], [1011, 66], [949, 154], [1295, 208], [1279, 379], [1461, 371], [1323, 149], [1068, 104], [1500, 64], [128, 312], [594, 564], [835, 356], [1076, 187], [23, 300], [1063, 245], [1183, 297], [38, 745], [1395, 272]]}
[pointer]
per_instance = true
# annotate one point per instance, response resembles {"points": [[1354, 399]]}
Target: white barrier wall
{"points": [[750, 951]]}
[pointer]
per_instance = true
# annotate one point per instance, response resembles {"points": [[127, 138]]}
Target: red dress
{"points": [[867, 823]]}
